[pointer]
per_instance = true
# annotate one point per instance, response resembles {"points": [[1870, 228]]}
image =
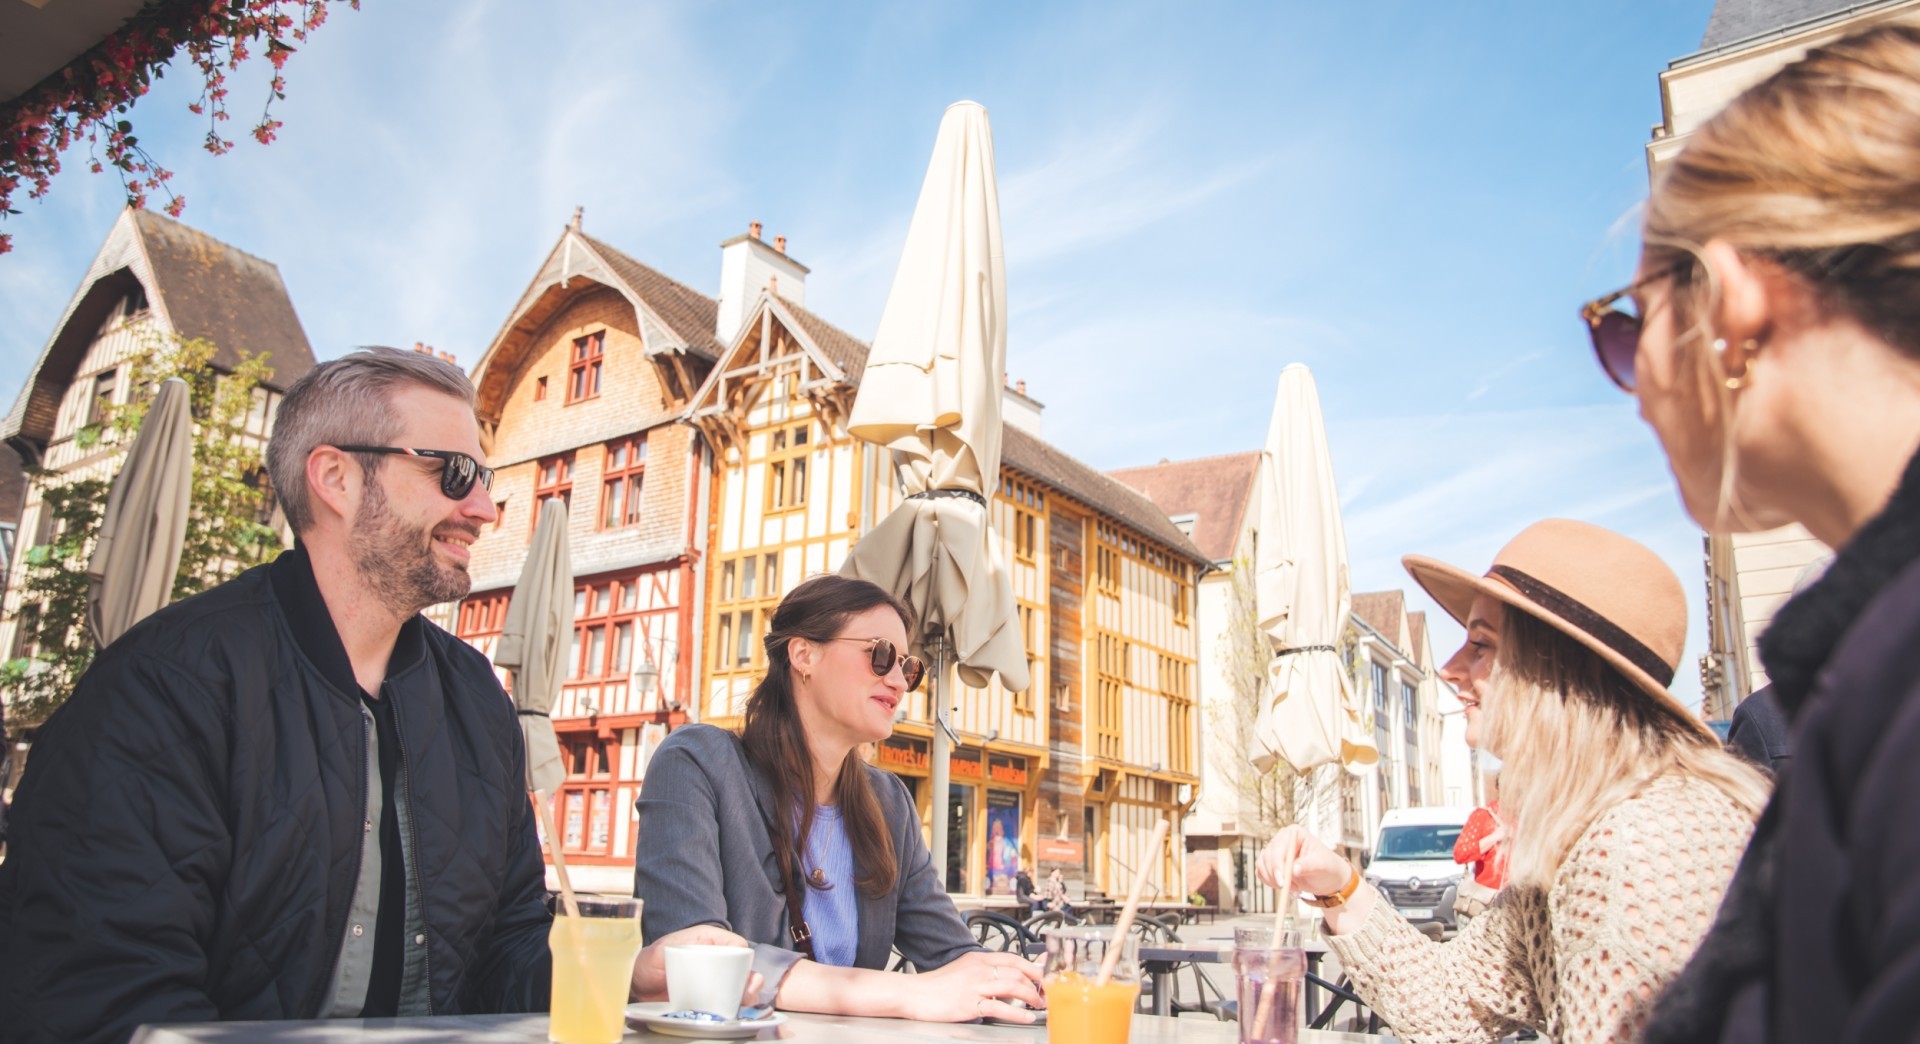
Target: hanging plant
{"points": [[89, 98]]}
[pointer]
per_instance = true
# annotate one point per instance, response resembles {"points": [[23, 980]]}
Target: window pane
{"points": [[612, 506], [576, 653], [747, 589], [640, 449], [799, 495], [726, 582], [596, 652], [771, 575], [779, 440], [744, 651], [628, 592], [576, 813], [593, 379], [777, 480], [617, 456], [602, 600], [622, 649], [724, 646], [602, 818], [800, 436], [633, 499], [580, 603]]}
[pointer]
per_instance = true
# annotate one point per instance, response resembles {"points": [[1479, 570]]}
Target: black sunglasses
{"points": [[458, 471], [885, 656], [1616, 332]]}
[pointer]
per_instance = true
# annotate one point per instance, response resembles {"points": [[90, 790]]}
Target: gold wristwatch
{"points": [[1339, 898]]}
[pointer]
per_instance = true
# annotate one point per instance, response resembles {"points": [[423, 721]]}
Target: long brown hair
{"points": [[777, 743], [1578, 738]]}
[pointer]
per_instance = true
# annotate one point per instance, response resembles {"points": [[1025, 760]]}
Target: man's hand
{"points": [[650, 971]]}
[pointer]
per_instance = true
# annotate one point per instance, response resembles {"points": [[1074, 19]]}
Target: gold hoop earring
{"points": [[1749, 346]]}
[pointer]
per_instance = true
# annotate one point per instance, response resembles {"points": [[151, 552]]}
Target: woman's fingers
{"points": [[993, 1009]]}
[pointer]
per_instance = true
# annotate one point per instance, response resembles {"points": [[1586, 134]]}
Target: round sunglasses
{"points": [[1616, 329], [458, 471], [885, 656]]}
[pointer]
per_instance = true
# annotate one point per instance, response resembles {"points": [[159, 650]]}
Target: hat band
{"points": [[1576, 612]]}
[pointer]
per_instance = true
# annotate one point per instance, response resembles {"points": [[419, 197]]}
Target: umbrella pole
{"points": [[940, 756]]}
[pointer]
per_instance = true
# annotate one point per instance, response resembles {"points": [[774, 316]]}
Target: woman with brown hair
{"points": [[1778, 360], [1625, 815], [787, 837]]}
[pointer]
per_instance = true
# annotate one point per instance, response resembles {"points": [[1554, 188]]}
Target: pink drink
{"points": [[1281, 974]]}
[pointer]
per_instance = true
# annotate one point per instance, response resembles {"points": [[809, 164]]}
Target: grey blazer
{"points": [[705, 857]]}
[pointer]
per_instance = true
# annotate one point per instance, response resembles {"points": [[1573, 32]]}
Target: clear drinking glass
{"points": [[1079, 1009], [593, 957], [1270, 976]]}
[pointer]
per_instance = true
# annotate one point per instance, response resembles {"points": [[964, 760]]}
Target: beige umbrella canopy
{"points": [[137, 553], [1309, 717], [535, 639], [931, 394]]}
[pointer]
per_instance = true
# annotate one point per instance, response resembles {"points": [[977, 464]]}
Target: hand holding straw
{"points": [[1125, 924], [1264, 1009]]}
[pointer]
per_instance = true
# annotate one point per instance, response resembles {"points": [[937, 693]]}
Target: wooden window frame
{"points": [[734, 608], [619, 612], [561, 487], [593, 786], [788, 468], [100, 395], [539, 389], [586, 367], [625, 484]]}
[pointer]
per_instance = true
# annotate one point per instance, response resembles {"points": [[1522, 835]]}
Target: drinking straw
{"points": [[559, 861], [1268, 988], [1125, 924]]}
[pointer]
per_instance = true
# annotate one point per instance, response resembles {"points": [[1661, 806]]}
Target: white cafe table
{"points": [[532, 1029]]}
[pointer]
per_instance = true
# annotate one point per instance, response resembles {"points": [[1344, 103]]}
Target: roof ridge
{"points": [[1189, 460], [143, 213], [602, 244]]}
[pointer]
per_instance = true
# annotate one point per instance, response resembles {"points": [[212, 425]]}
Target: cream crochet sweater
{"points": [[1581, 962]]}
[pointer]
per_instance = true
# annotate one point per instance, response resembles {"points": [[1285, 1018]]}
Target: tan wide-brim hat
{"points": [[1605, 591]]}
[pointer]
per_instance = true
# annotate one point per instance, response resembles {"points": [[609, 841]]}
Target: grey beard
{"points": [[398, 564]]}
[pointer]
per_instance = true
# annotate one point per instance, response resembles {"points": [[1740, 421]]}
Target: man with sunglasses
{"points": [[292, 796]]}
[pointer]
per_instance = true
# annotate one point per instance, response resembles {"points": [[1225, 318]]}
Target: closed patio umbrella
{"points": [[1303, 599], [535, 640], [137, 554], [931, 395]]}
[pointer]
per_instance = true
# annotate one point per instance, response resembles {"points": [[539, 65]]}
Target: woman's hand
{"points": [[1316, 870], [650, 970], [1494, 837], [975, 985]]}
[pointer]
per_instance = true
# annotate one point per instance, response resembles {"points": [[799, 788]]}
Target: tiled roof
{"points": [[1382, 611], [1736, 20], [1025, 453], [1215, 490], [688, 312], [226, 296]]}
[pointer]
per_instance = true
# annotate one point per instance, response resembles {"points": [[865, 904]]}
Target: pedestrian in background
{"points": [[1627, 814], [1481, 847], [1779, 363]]}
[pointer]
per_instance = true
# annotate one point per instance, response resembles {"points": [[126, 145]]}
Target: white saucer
{"points": [[653, 1016]]}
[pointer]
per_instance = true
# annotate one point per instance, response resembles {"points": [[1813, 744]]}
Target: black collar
{"points": [[313, 629], [1809, 627]]}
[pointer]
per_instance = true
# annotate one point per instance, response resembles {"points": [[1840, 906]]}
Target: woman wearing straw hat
{"points": [[1779, 363], [1626, 816]]}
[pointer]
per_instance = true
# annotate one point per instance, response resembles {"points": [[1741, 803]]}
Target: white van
{"points": [[1413, 864]]}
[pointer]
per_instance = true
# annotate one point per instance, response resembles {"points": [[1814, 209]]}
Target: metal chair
{"points": [[997, 931]]}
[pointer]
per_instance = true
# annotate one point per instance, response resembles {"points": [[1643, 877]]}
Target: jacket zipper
{"points": [[360, 853], [413, 840]]}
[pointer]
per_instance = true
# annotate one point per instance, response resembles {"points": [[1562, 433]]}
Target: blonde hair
{"points": [[1816, 171], [1576, 738]]}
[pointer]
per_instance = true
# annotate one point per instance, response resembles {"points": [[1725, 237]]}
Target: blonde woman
{"points": [[1779, 363], [1626, 817]]}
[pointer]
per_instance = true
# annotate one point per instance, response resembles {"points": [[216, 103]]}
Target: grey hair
{"points": [[348, 400]]}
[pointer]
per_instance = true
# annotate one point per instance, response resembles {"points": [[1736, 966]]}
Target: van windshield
{"points": [[1422, 841]]}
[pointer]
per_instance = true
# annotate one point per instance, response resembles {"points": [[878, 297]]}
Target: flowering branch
{"points": [[89, 98]]}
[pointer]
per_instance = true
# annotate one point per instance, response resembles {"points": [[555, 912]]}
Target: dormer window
{"points": [[134, 305]]}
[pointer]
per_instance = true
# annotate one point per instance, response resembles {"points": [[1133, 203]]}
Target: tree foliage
{"points": [[230, 529], [1268, 797]]}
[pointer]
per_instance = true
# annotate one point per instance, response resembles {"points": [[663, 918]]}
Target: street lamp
{"points": [[646, 674]]}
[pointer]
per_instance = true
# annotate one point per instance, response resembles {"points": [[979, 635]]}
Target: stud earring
{"points": [[1719, 346]]}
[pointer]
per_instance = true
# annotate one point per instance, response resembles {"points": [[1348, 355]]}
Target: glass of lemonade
{"points": [[1270, 975], [593, 958], [1079, 1009]]}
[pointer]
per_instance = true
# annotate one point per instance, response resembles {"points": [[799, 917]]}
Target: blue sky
{"points": [[1411, 198]]}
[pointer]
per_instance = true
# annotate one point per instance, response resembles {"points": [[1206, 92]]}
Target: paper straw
{"points": [[1125, 924], [553, 848], [1267, 989]]}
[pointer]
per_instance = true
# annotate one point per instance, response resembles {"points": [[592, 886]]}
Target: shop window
{"points": [[624, 479], [583, 373], [586, 798]]}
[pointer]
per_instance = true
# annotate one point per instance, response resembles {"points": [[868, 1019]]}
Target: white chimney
{"points": [[1020, 410], [748, 265]]}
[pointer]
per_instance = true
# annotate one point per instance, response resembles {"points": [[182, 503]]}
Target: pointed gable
{"points": [[197, 287]]}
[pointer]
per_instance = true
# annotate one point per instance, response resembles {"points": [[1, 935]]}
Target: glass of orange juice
{"points": [[593, 957], [1081, 1010]]}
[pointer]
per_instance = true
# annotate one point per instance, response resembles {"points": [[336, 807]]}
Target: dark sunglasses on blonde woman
{"points": [[884, 657], [1615, 328]]}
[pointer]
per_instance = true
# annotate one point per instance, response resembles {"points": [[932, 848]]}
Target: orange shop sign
{"points": [[1059, 850], [1004, 768], [908, 755]]}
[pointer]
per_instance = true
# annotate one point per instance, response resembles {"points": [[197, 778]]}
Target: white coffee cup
{"points": [[707, 978]]}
